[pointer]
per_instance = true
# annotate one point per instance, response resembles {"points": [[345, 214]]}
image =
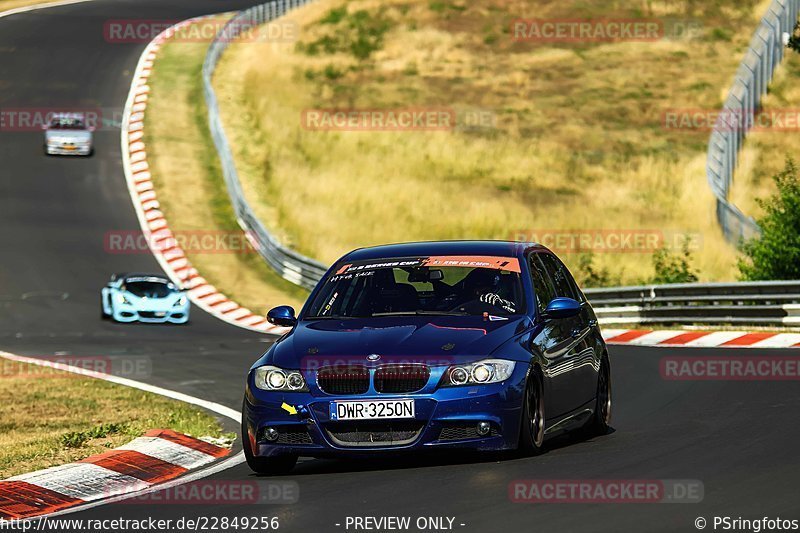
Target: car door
{"points": [[583, 361], [554, 341]]}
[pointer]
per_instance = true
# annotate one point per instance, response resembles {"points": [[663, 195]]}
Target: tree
{"points": [[794, 38], [776, 253]]}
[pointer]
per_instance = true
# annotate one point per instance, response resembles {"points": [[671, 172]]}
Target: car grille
{"points": [[383, 433], [464, 431], [343, 379], [401, 378], [293, 435], [152, 314]]}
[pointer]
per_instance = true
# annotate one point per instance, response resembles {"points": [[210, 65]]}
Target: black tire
{"points": [[531, 438], [599, 423], [265, 466]]}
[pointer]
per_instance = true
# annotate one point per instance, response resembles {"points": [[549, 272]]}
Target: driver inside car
{"points": [[486, 286]]}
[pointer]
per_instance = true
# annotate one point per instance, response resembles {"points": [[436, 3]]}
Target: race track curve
{"points": [[738, 438]]}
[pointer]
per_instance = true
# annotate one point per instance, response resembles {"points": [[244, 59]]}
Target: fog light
{"points": [[484, 428], [271, 434]]}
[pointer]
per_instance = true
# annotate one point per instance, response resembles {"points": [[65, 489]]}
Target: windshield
{"points": [[453, 285], [67, 123], [148, 289]]}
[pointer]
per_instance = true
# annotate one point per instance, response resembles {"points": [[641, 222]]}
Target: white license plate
{"points": [[372, 410]]}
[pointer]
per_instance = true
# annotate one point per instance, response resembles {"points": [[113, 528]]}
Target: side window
{"points": [[564, 285], [542, 285]]}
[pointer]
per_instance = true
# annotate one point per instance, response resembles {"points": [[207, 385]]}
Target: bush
{"points": [[673, 267], [776, 253], [588, 275]]}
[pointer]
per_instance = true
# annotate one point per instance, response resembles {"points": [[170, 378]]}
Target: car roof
{"points": [[424, 249], [69, 114]]}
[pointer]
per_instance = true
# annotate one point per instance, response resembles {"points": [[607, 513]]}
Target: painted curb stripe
{"points": [[702, 339], [140, 186], [748, 339], [169, 452], [628, 336], [19, 499], [83, 481], [160, 456], [136, 464], [189, 442], [683, 338]]}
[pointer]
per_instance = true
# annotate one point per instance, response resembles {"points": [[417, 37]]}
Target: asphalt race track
{"points": [[738, 438]]}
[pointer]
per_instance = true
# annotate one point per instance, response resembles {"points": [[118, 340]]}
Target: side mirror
{"points": [[283, 315], [561, 308]]}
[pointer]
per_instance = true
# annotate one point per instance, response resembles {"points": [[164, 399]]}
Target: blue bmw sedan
{"points": [[483, 345]]}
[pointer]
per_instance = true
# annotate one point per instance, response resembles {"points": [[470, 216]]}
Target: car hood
{"points": [[402, 339], [68, 135]]}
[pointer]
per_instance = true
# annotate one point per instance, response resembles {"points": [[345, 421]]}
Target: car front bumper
{"points": [[55, 149], [159, 316], [444, 419]]}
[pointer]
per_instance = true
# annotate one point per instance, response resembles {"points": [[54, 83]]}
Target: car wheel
{"points": [[533, 418], [266, 466], [598, 425]]}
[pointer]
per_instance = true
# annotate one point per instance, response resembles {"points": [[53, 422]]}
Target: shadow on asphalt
{"points": [[427, 459]]}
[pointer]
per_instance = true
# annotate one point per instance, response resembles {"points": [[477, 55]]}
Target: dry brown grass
{"points": [[50, 417], [5, 5], [578, 144]]}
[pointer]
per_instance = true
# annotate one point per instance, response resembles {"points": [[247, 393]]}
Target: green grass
{"points": [[52, 417]]}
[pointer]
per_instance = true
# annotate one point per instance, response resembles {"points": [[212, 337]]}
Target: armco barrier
{"points": [[774, 303], [291, 265], [752, 79]]}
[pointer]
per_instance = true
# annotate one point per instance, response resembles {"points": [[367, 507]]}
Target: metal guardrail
{"points": [[290, 264], [737, 117], [758, 302]]}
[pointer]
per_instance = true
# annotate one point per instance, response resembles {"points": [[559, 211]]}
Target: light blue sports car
{"points": [[149, 298]]}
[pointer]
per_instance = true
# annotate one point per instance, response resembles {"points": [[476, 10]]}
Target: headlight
{"points": [[272, 378], [480, 373], [180, 302], [122, 300]]}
